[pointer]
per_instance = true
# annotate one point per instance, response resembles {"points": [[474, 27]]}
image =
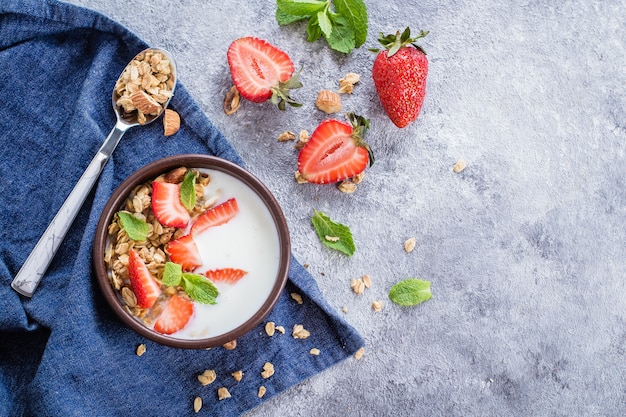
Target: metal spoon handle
{"points": [[33, 270]]}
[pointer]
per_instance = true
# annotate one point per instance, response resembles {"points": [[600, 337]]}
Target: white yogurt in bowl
{"points": [[249, 241], [254, 240]]}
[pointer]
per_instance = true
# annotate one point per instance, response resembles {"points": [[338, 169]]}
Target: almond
{"points": [[328, 101], [171, 122], [144, 103], [231, 101]]}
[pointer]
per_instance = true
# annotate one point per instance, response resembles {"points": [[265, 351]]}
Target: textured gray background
{"points": [[525, 248]]}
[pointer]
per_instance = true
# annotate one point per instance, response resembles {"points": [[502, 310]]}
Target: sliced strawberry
{"points": [[260, 71], [174, 316], [226, 275], [184, 251], [335, 151], [166, 205], [143, 284], [215, 216]]}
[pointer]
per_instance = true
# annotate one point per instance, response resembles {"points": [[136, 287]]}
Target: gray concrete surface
{"points": [[525, 249]]}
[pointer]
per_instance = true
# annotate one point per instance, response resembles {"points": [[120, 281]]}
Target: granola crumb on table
{"points": [[223, 393], [197, 404]]}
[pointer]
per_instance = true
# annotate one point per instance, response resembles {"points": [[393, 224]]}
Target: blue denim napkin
{"points": [[63, 352]]}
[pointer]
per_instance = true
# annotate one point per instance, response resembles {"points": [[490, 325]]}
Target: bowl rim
{"points": [[153, 170]]}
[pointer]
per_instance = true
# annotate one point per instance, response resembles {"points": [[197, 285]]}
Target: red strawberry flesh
{"points": [[142, 282], [166, 205], [184, 251], [226, 275], [215, 216], [174, 316], [256, 66], [332, 154]]}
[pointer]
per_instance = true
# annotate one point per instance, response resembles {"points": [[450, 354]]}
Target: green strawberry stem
{"points": [[394, 42], [360, 125], [280, 93]]}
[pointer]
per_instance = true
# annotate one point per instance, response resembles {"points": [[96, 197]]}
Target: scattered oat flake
{"points": [[347, 187], [230, 345], [141, 349], [268, 370], [367, 281], [281, 329], [346, 84], [314, 351], [303, 138], [409, 244], [299, 332], [357, 285], [238, 375], [377, 305], [459, 166], [297, 297], [222, 393], [270, 328], [207, 377], [344, 309], [359, 353], [262, 391], [286, 136], [332, 238], [197, 404], [300, 179]]}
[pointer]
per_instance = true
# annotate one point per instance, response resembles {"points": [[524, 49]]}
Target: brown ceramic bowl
{"points": [[274, 284]]}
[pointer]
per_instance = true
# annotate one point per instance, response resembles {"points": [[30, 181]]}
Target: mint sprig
{"points": [[135, 228], [344, 28], [334, 235], [410, 292], [198, 288]]}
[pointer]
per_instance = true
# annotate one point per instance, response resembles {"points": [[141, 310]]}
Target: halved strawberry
{"points": [[142, 282], [184, 251], [215, 216], [226, 275], [174, 316], [166, 205], [335, 151], [261, 71]]}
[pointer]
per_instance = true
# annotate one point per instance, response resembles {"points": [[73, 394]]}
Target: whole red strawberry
{"points": [[399, 75]]}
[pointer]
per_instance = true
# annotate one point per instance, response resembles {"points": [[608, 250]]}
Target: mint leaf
{"points": [[334, 235], [289, 11], [342, 36], [313, 30], [284, 19], [172, 274], [410, 292], [135, 228], [344, 29], [199, 288], [188, 190], [355, 13], [323, 20]]}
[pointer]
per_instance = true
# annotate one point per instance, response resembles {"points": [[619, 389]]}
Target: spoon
{"points": [[35, 266]]}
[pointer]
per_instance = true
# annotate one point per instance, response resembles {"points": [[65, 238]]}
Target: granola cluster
{"points": [[151, 250], [145, 86]]}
